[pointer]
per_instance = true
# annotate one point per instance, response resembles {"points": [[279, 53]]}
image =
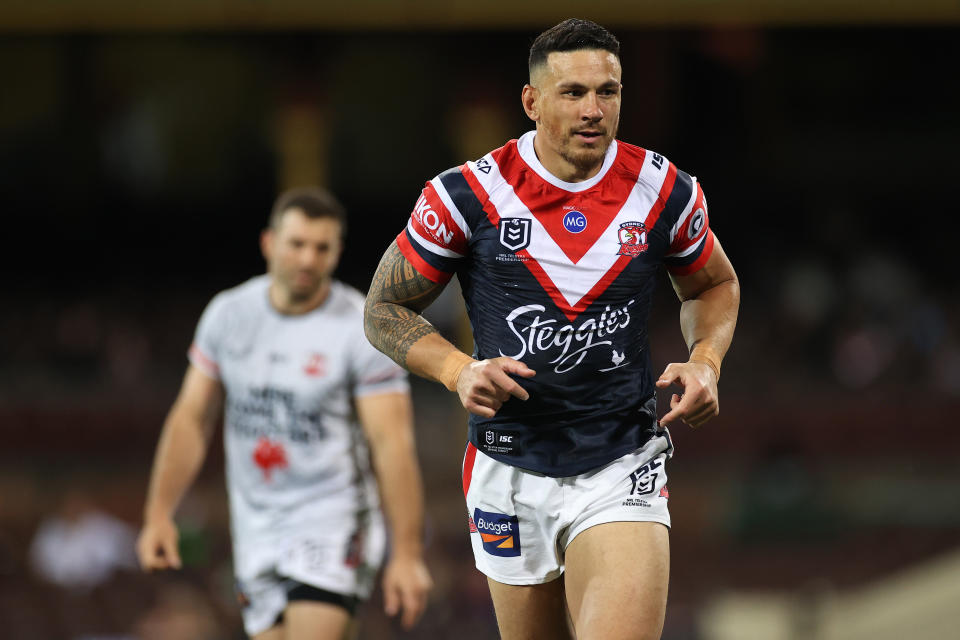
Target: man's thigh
{"points": [[273, 633], [306, 620], [530, 612], [616, 581]]}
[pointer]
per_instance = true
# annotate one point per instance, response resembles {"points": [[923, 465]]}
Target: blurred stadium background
{"points": [[141, 145]]}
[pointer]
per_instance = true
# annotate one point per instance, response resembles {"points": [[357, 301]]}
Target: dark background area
{"points": [[137, 169]]}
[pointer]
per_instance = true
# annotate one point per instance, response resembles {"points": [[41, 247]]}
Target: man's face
{"points": [[302, 253], [576, 102]]}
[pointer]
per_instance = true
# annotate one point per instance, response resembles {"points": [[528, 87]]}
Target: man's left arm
{"points": [[387, 420], [710, 300]]}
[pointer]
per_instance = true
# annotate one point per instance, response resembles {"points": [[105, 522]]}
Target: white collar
{"points": [[529, 155]]}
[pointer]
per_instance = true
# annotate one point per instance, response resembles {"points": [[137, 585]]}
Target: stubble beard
{"points": [[301, 293], [586, 159]]}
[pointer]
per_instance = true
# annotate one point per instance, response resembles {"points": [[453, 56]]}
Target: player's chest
{"points": [[573, 243], [303, 367]]}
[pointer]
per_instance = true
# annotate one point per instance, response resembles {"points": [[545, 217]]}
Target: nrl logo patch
{"points": [[633, 239], [515, 233]]}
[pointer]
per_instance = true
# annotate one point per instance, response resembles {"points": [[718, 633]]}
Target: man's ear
{"points": [[266, 243], [531, 102]]}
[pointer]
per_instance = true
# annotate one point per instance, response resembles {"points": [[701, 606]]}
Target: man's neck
{"points": [[284, 303]]}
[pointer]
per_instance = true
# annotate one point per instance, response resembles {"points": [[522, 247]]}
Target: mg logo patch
{"points": [[574, 221], [499, 532], [515, 233]]}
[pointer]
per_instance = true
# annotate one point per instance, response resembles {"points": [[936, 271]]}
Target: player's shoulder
{"points": [[483, 164], [248, 295], [345, 300], [236, 306], [631, 153], [252, 289], [652, 168]]}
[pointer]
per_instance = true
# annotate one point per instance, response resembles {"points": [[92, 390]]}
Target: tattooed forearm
{"points": [[397, 295]]}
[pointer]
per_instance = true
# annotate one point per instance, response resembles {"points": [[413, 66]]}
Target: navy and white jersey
{"points": [[560, 276]]}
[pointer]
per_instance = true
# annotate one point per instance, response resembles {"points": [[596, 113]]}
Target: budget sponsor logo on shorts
{"points": [[499, 532]]}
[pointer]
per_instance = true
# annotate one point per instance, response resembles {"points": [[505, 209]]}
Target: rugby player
{"points": [[557, 239], [308, 407]]}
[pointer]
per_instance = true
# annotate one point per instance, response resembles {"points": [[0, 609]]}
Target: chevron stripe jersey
{"points": [[560, 276]]}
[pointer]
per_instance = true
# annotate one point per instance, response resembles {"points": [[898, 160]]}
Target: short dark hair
{"points": [[315, 202], [572, 34]]}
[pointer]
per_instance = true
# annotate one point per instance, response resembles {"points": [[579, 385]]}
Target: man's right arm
{"points": [[393, 324], [180, 454]]}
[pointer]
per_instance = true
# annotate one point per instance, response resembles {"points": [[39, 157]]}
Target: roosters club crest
{"points": [[515, 233], [633, 239]]}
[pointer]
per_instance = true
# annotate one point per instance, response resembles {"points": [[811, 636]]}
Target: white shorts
{"points": [[522, 521], [342, 560]]}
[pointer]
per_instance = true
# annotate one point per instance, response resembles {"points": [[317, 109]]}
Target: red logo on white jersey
{"points": [[430, 220], [316, 365], [269, 455]]}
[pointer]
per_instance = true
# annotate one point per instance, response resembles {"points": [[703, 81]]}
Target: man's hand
{"points": [[699, 401], [157, 545], [406, 583], [484, 385]]}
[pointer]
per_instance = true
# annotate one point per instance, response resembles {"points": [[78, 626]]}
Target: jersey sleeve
{"points": [[374, 372], [204, 352], [691, 240], [436, 239]]}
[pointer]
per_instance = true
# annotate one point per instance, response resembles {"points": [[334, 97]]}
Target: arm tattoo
{"points": [[397, 296]]}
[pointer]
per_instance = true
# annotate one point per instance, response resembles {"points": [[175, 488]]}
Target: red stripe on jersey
{"points": [[683, 240], [432, 221], [547, 284], [493, 215], [700, 261], [601, 285], [212, 368], [423, 267], [571, 312], [497, 154], [652, 216], [665, 192], [550, 205], [468, 459], [488, 207]]}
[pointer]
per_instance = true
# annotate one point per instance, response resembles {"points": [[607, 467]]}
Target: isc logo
{"points": [[574, 221]]}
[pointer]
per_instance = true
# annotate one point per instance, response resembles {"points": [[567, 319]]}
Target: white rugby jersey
{"points": [[295, 453], [560, 276]]}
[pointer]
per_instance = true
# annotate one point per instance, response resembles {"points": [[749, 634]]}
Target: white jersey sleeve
{"points": [[204, 352]]}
